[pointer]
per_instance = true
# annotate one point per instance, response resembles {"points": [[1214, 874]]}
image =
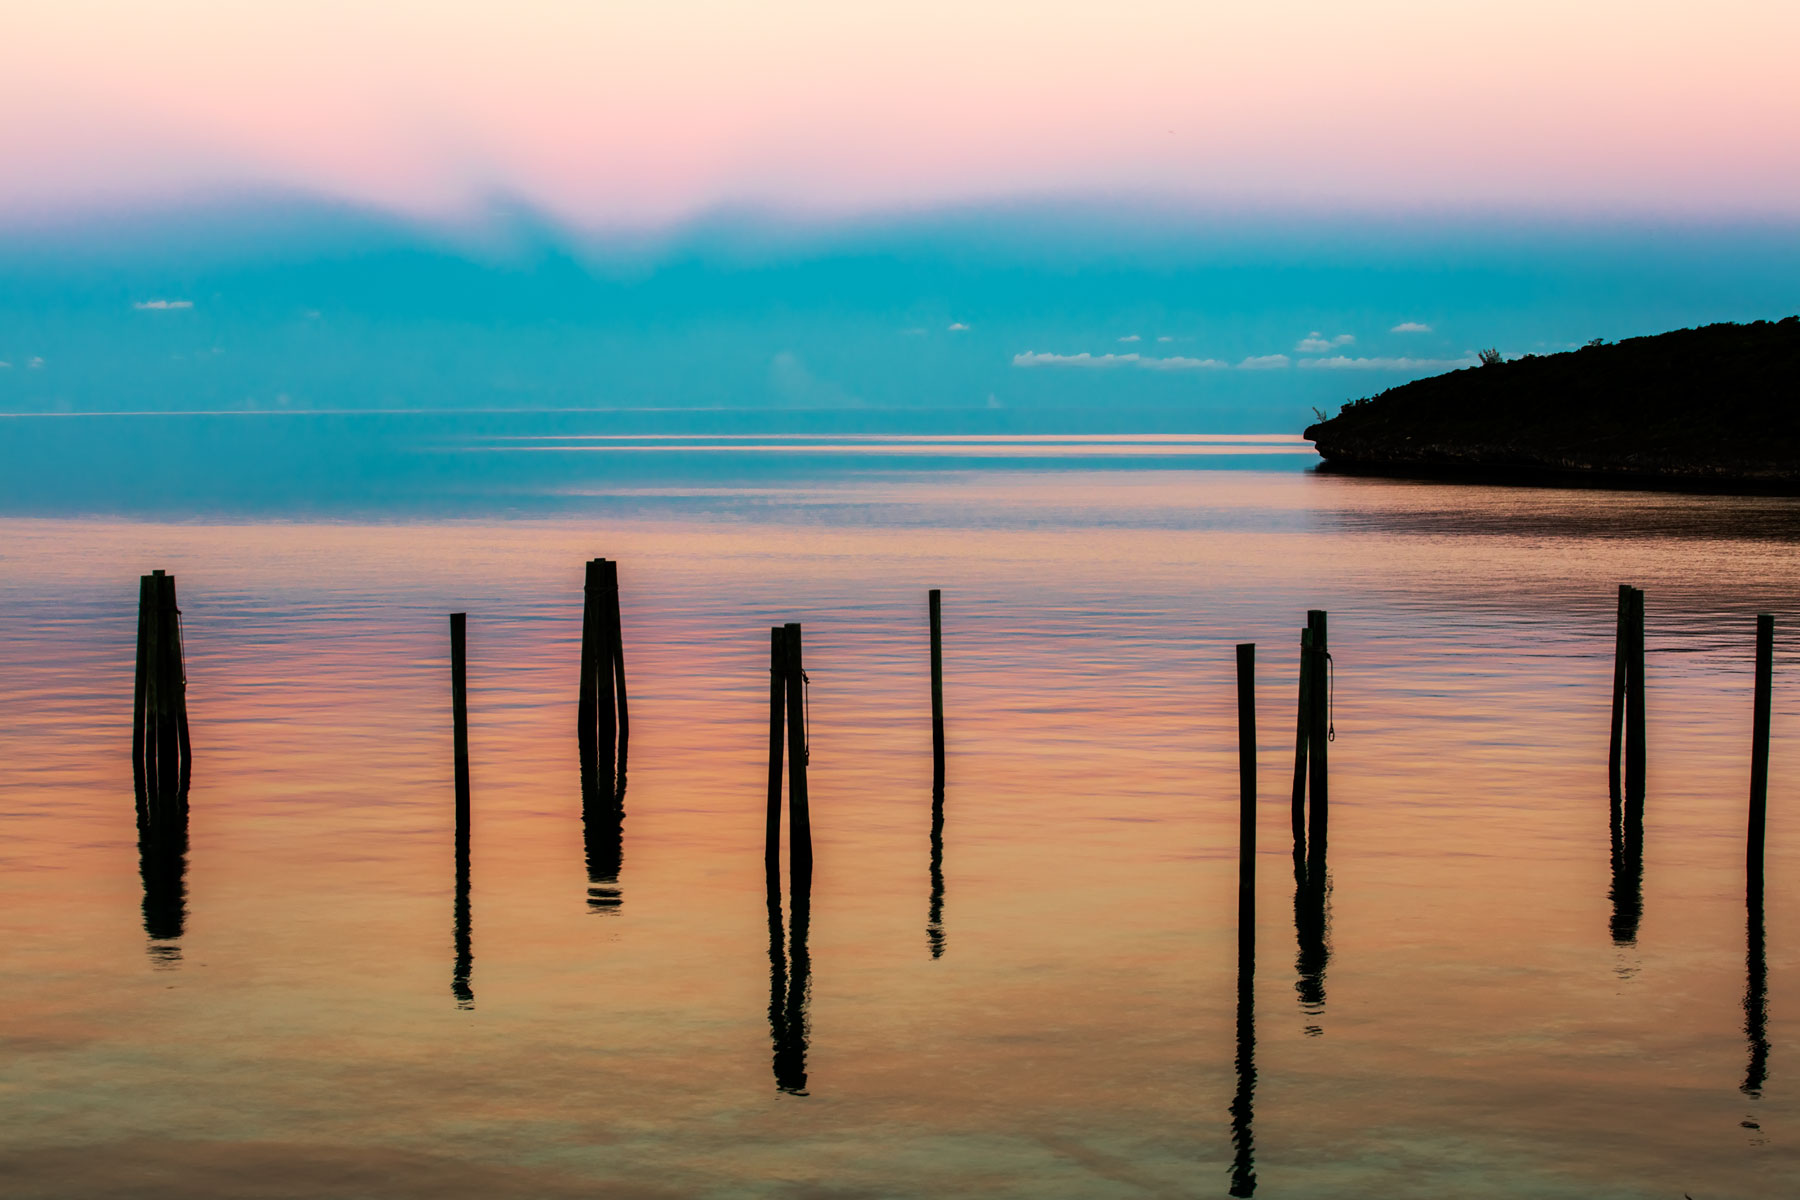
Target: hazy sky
{"points": [[634, 112], [1137, 214]]}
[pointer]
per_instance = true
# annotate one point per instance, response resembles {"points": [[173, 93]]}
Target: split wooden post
{"points": [[1759, 747], [799, 820], [777, 731], [459, 707], [937, 691], [1246, 712]]}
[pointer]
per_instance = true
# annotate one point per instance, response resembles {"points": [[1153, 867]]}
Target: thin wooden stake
{"points": [[1246, 700], [459, 706], [777, 731], [1759, 747], [799, 819], [937, 691], [1635, 754]]}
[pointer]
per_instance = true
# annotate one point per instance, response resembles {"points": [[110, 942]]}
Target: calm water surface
{"points": [[1493, 1007]]}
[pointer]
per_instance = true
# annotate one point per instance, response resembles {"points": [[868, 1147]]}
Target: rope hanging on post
{"points": [[1330, 697], [806, 714]]}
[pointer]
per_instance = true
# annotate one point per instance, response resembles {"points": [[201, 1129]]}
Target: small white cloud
{"points": [[5, 366], [958, 327], [1165, 338], [161, 305], [915, 331], [1032, 358], [1317, 343], [994, 401], [1264, 362], [312, 314], [34, 362], [1411, 327], [1176, 362], [1131, 337], [1340, 363]]}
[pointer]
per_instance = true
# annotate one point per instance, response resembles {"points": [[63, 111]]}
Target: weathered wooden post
{"points": [[1621, 651], [1759, 748], [616, 654], [1301, 733], [777, 732], [1635, 754], [1246, 714], [799, 819], [587, 719], [160, 748], [1318, 739], [937, 691], [459, 709]]}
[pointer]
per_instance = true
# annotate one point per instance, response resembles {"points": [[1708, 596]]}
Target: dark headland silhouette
{"points": [[1709, 407]]}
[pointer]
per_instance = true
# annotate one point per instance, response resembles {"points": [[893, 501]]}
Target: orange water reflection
{"points": [[1479, 1025]]}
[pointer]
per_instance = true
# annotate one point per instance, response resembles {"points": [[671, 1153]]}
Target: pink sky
{"points": [[610, 113]]}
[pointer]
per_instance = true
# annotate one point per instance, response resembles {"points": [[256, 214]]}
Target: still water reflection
{"points": [[1481, 1041]]}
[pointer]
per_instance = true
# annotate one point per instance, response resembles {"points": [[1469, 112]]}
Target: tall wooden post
{"points": [[1246, 710], [459, 708], [616, 654], [1621, 651], [587, 719], [1301, 735], [937, 691], [777, 731], [1759, 748], [1318, 739], [799, 819], [1634, 702]]}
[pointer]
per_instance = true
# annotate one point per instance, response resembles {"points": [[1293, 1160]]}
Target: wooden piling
{"points": [[799, 819], [605, 711], [1246, 705], [161, 751], [616, 652], [1759, 748], [1621, 651], [1318, 739], [459, 705], [777, 731], [1302, 731], [937, 691], [1635, 755], [587, 720]]}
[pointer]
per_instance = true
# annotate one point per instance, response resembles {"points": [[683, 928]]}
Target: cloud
{"points": [[1165, 338], [1176, 362], [5, 366], [161, 305], [1131, 337], [1264, 362], [915, 331], [1032, 358], [1340, 363], [958, 327], [34, 362], [1411, 327], [1317, 343]]}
